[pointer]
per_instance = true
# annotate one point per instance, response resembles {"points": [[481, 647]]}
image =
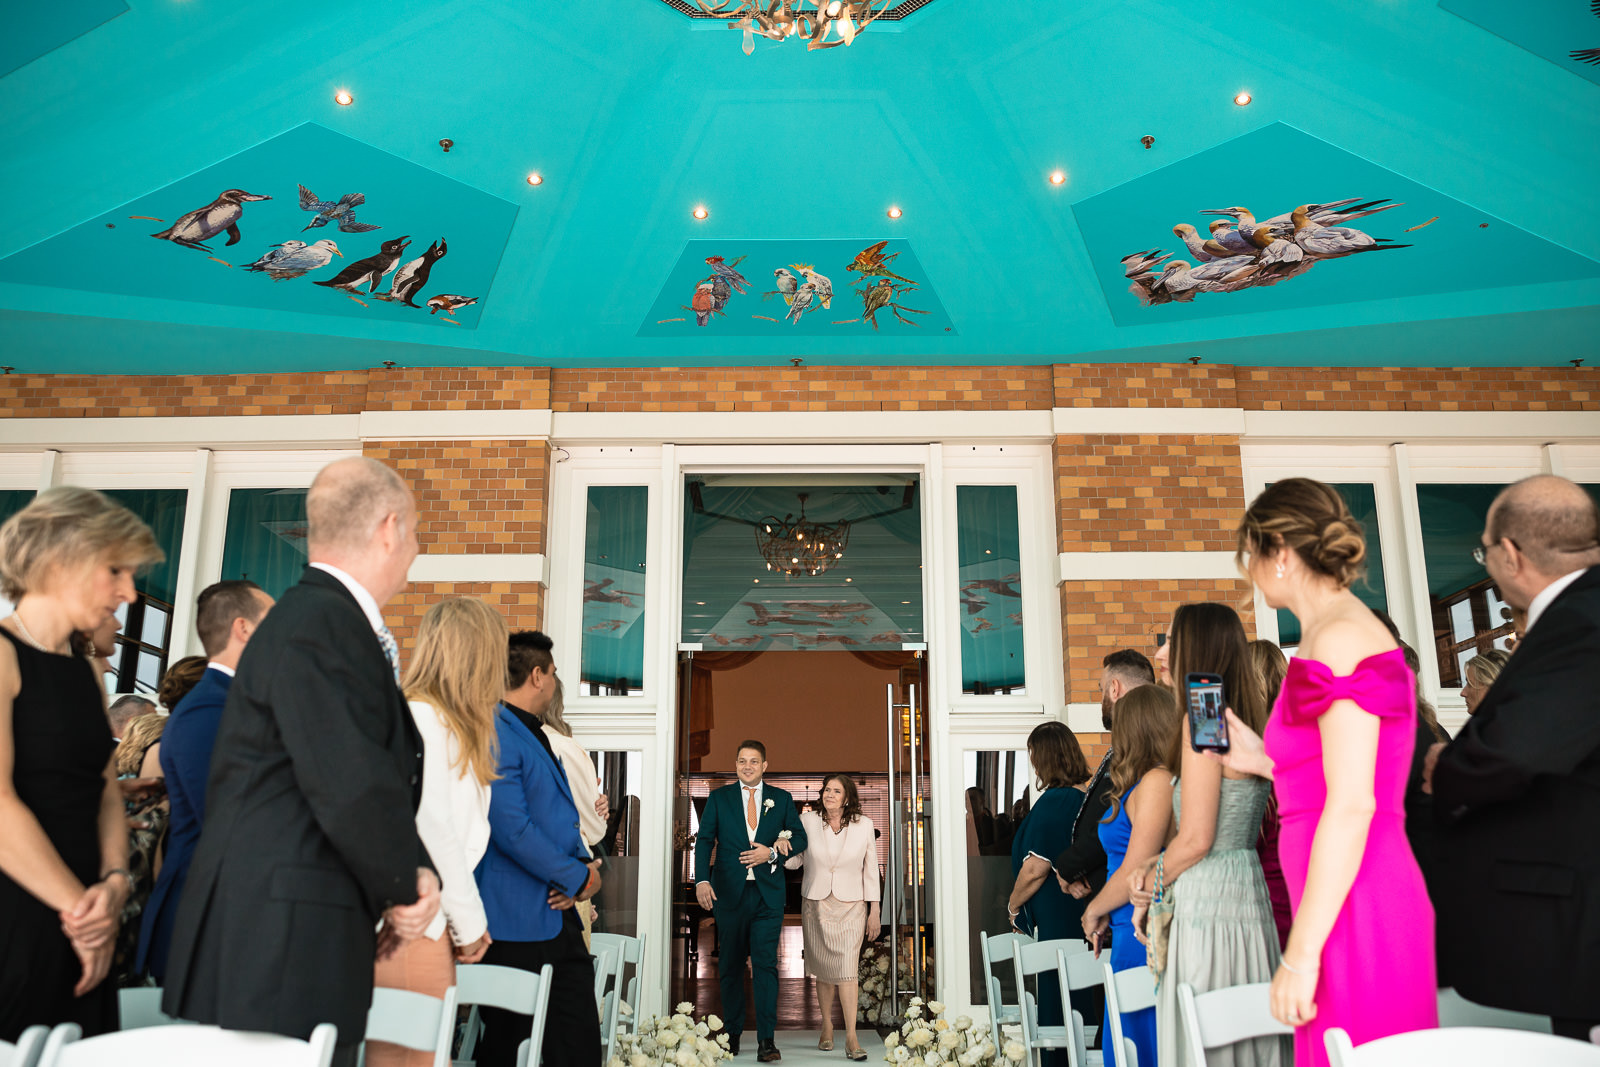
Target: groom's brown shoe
{"points": [[767, 1052]]}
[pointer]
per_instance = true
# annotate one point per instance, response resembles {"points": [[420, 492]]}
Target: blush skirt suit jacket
{"points": [[839, 882]]}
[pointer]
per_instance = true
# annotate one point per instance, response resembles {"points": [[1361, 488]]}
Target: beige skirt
{"points": [[833, 931]]}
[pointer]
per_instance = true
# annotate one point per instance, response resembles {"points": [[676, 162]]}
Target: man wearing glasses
{"points": [[1519, 788]]}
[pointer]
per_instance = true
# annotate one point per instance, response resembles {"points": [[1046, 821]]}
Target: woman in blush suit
{"points": [[839, 901]]}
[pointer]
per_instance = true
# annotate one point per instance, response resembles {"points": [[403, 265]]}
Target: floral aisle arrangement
{"points": [[676, 1040], [874, 1006], [927, 1039]]}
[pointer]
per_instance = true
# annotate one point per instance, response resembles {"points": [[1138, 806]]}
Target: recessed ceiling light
{"points": [[535, 178], [895, 213], [700, 211], [849, 579], [1242, 99], [700, 603], [1058, 177], [905, 601], [756, 580], [343, 98]]}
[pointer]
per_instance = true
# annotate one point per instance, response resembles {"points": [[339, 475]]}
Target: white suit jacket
{"points": [[844, 865]]}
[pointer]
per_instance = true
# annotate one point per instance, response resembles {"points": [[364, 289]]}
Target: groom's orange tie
{"points": [[750, 806]]}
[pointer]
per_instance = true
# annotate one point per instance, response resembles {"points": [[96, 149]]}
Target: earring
{"points": [[1280, 570]]}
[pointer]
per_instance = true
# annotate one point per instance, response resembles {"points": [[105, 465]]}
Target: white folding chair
{"points": [[1077, 971], [1029, 959], [413, 1020], [1223, 1017], [1462, 1046], [1133, 989], [507, 988], [1457, 1010], [991, 948], [25, 1053], [605, 968], [140, 1006], [186, 1046], [626, 950]]}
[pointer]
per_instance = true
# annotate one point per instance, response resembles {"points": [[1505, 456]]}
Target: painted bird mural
{"points": [[196, 227], [341, 211], [295, 258], [723, 269], [369, 271], [801, 303], [872, 263], [449, 303], [823, 286], [787, 283], [412, 276], [702, 303]]}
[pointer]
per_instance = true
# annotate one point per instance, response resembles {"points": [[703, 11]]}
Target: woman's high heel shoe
{"points": [[825, 1045], [857, 1054]]}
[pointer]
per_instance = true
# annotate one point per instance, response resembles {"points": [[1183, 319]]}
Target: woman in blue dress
{"points": [[1143, 723], [1037, 905]]}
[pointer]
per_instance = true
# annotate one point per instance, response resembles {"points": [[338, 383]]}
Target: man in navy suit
{"points": [[744, 889], [226, 614], [535, 869]]}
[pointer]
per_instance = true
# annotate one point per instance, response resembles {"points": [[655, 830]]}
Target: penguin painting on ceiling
{"points": [[449, 303], [412, 276], [369, 271], [342, 211], [194, 228]]}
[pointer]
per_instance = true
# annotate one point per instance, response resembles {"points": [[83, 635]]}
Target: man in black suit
{"points": [[1081, 866], [1518, 790], [310, 834]]}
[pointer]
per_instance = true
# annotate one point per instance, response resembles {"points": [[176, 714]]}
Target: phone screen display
{"points": [[1207, 727]]}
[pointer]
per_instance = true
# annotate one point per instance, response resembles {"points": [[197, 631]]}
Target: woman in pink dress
{"points": [[1338, 746]]}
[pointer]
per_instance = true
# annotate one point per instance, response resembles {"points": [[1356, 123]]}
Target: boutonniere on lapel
{"points": [[767, 805]]}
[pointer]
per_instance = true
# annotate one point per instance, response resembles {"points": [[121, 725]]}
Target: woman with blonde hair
{"points": [[1133, 830], [1481, 671], [456, 675], [67, 562]]}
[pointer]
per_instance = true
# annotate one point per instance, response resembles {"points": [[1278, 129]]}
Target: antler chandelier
{"points": [[777, 20], [794, 547]]}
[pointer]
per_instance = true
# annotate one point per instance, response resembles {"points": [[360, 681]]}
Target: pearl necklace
{"points": [[27, 634]]}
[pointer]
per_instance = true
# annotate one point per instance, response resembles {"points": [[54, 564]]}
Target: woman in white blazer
{"points": [[455, 677], [839, 901]]}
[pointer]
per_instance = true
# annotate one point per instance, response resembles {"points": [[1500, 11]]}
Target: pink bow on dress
{"points": [[1382, 685]]}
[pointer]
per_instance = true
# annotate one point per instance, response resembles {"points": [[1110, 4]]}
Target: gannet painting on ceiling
{"points": [[1208, 236], [256, 231], [777, 288], [1566, 32]]}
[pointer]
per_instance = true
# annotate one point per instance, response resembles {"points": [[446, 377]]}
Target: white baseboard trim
{"points": [[479, 567], [1144, 566]]}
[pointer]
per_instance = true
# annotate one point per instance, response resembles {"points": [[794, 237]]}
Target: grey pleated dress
{"points": [[1222, 931]]}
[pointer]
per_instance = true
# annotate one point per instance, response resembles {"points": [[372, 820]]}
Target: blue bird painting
{"points": [[342, 211]]}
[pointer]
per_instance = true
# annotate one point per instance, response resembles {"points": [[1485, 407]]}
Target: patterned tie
{"points": [[750, 806], [391, 651]]}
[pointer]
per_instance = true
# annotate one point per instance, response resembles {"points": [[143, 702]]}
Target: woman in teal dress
{"points": [[1037, 905]]}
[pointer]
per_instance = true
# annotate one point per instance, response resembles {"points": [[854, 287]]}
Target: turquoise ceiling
{"points": [[635, 114]]}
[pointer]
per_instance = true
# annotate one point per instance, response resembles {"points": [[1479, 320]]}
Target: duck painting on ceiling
{"points": [[1260, 235], [1565, 32], [252, 232], [716, 278]]}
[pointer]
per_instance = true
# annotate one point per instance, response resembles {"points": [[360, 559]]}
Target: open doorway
{"points": [[818, 713]]}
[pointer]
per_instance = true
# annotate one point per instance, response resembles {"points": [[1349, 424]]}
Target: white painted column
{"points": [[1554, 460], [49, 469], [185, 642], [1416, 622]]}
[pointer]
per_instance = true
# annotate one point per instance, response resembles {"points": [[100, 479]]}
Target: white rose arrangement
{"points": [[874, 1003], [928, 1039], [678, 1040]]}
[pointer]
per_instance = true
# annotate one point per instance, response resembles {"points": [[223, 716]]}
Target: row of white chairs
{"points": [[614, 986], [1470, 1033]]}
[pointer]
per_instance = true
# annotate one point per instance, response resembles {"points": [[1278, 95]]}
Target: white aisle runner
{"points": [[799, 1048]]}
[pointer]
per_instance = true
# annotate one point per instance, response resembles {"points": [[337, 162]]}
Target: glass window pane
{"points": [[621, 781], [989, 553], [1362, 500], [801, 564], [164, 511], [1463, 657], [13, 501], [998, 798], [265, 540], [153, 628], [148, 672], [1452, 526], [612, 660]]}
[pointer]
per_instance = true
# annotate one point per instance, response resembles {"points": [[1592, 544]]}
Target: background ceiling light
{"points": [[1242, 99], [1058, 177], [343, 98], [701, 212], [895, 213], [535, 178]]}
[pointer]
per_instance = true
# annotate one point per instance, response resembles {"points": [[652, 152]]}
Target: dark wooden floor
{"points": [[697, 982]]}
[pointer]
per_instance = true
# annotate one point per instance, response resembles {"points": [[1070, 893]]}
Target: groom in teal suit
{"points": [[753, 826]]}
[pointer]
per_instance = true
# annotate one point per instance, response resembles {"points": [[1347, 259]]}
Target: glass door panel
{"points": [[989, 552], [265, 540]]}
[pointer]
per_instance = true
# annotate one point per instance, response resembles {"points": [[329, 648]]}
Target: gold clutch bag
{"points": [[1158, 923]]}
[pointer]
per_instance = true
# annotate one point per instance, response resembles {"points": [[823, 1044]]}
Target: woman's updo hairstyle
{"points": [[1312, 519]]}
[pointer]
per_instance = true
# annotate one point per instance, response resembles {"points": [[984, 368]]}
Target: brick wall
{"points": [[1148, 493], [806, 389], [522, 603], [60, 396], [473, 496]]}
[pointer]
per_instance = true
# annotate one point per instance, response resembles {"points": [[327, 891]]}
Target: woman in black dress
{"points": [[67, 561]]}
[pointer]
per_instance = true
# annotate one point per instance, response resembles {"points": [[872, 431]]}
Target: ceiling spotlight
{"points": [[700, 212], [343, 98], [1242, 99], [895, 213], [535, 178], [1058, 177]]}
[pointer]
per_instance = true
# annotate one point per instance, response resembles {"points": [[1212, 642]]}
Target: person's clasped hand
{"points": [[473, 952], [92, 921], [410, 921], [1140, 891]]}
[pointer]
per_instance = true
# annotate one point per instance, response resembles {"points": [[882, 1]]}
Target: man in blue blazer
{"points": [[536, 868], [752, 826], [226, 614]]}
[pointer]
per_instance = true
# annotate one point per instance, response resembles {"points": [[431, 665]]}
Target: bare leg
{"points": [[849, 995], [825, 1002]]}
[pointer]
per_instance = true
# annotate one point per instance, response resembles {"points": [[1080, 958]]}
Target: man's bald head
{"points": [[1553, 522], [348, 502]]}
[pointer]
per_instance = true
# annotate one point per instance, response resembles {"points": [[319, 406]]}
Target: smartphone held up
{"points": [[1208, 727]]}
